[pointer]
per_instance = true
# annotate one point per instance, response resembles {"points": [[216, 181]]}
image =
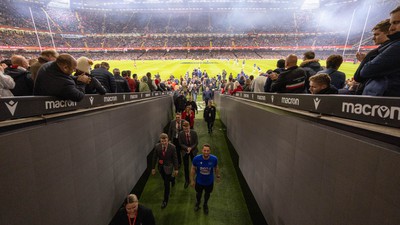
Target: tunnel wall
{"points": [[77, 170], [302, 172]]}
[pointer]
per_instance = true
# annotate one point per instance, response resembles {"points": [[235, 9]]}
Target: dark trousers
{"points": [[199, 191], [210, 125], [175, 141], [186, 164], [167, 180]]}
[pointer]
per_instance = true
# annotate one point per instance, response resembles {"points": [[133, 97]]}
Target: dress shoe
{"points": [[186, 185], [196, 207], [164, 204], [205, 208]]}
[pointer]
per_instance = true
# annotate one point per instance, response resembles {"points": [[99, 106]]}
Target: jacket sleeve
{"points": [[383, 64], [73, 92], [195, 141], [6, 81], [181, 141], [279, 84], [113, 85], [98, 86]]}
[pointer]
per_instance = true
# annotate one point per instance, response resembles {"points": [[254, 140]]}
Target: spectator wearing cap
{"points": [[321, 84], [22, 77], [45, 56], [338, 78], [54, 79], [83, 68], [105, 77]]}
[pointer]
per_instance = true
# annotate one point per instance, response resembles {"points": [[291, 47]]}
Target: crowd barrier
{"points": [[378, 110], [20, 107]]}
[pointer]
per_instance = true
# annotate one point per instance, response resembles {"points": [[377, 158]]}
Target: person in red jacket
{"points": [[189, 116]]}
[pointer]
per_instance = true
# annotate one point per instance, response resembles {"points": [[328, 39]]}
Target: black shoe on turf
{"points": [[205, 208], [163, 204], [196, 207]]}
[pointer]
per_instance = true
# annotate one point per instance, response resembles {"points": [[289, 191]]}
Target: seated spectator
{"points": [[105, 77], [83, 68], [236, 88], [6, 83], [293, 80], [280, 64], [22, 77], [121, 83], [258, 83], [332, 65], [45, 56], [310, 64], [143, 86], [321, 84], [133, 213], [131, 82], [247, 85], [54, 79]]}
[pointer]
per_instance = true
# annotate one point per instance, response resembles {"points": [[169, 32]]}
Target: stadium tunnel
{"points": [[77, 167]]}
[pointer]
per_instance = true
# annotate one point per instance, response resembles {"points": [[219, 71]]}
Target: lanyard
{"points": [[134, 220]]}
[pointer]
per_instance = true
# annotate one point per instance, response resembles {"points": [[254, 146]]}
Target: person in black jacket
{"points": [[54, 79], [321, 84], [209, 116], [293, 80], [22, 77], [105, 77], [121, 83], [83, 68], [380, 32], [310, 64], [133, 213]]}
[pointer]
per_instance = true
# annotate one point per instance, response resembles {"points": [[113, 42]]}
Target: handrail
{"points": [[378, 110], [28, 106]]}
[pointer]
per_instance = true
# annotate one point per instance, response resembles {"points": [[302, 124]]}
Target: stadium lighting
{"points": [[310, 4]]}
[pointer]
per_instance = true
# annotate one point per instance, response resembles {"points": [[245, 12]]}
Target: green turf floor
{"points": [[227, 204]]}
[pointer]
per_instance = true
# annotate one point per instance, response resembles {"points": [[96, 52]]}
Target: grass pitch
{"points": [[213, 67]]}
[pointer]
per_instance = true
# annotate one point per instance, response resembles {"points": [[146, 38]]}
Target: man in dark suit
{"points": [[165, 157], [188, 141], [175, 127]]}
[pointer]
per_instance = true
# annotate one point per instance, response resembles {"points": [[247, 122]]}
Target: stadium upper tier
{"points": [[156, 28]]}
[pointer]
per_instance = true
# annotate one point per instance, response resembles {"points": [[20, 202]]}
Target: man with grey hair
{"points": [[22, 77]]}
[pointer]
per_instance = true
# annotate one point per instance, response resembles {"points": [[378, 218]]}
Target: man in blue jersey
{"points": [[204, 166]]}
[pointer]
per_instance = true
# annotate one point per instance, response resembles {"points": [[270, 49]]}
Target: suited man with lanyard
{"points": [[174, 128], [165, 157], [188, 141]]}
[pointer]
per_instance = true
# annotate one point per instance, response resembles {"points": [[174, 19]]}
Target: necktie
{"points": [[188, 138], [163, 151]]}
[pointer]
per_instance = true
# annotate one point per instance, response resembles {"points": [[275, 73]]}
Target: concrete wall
{"points": [[77, 170], [305, 173]]}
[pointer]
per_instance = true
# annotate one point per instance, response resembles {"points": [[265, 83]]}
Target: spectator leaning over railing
{"points": [[321, 84], [383, 71], [54, 79], [83, 68], [22, 77]]}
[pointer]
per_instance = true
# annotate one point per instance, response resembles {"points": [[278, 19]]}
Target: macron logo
{"points": [[11, 105], [316, 103], [91, 100]]}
